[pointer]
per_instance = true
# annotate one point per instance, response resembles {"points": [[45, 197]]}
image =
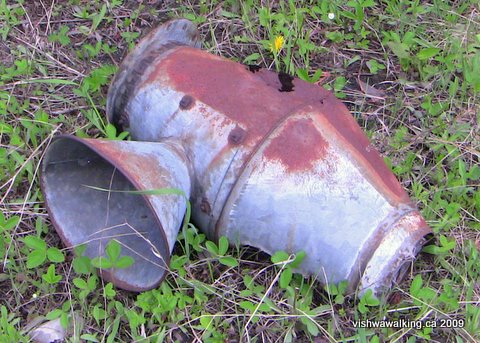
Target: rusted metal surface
{"points": [[173, 33], [271, 168], [279, 170], [145, 225]]}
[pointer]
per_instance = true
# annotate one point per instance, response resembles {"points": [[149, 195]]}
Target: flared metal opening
{"points": [[396, 250], [77, 182]]}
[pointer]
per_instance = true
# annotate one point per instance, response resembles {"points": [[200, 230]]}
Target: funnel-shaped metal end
{"points": [[91, 190]]}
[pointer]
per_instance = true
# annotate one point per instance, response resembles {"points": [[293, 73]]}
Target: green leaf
{"points": [[178, 262], [35, 243], [462, 170], [5, 128], [247, 305], [252, 58], [374, 66], [447, 244], [339, 83], [80, 249], [82, 265], [122, 135], [92, 282], [371, 300], [399, 49], [97, 18], [52, 82], [427, 53], [279, 256], [54, 314], [228, 261], [311, 326], [109, 291], [222, 245], [97, 78], [228, 14], [50, 276], [332, 289], [113, 250], [339, 299], [89, 338], [10, 223], [112, 337], [111, 131], [316, 76], [285, 277], [36, 258], [299, 257], [368, 3], [248, 281], [426, 293], [206, 322], [159, 191], [368, 299], [99, 313], [211, 247], [101, 262], [416, 285], [62, 36], [474, 173], [432, 249], [55, 255], [303, 74], [124, 262], [80, 283]]}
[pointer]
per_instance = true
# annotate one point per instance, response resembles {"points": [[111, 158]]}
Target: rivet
{"points": [[237, 135], [186, 102]]}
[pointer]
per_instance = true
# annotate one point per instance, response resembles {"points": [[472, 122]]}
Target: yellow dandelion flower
{"points": [[277, 44]]}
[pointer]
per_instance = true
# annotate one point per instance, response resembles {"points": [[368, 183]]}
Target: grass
{"points": [[409, 71]]}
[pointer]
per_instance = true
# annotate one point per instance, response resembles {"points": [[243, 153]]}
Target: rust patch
{"points": [[252, 101], [367, 156], [247, 99], [298, 145], [237, 135], [186, 102]]}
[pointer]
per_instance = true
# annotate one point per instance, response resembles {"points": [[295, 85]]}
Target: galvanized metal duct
{"points": [[272, 169], [89, 187]]}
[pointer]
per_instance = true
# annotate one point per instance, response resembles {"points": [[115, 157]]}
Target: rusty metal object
{"points": [[280, 170], [74, 172], [271, 168]]}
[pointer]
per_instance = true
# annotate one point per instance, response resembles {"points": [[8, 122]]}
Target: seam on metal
{"points": [[215, 233], [248, 159]]}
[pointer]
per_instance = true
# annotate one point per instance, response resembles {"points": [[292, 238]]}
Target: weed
{"points": [[113, 259], [9, 327]]}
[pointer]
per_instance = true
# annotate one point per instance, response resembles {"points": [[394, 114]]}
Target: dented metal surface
{"points": [[269, 168], [87, 185]]}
